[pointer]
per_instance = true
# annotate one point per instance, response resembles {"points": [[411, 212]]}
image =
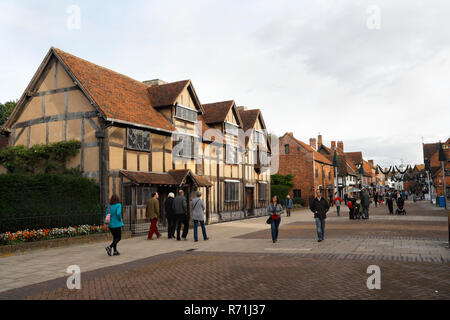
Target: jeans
{"points": [[338, 208], [366, 211], [274, 228], [202, 224], [320, 225], [117, 235]]}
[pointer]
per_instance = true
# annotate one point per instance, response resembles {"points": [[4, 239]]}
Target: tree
{"points": [[5, 110], [280, 185]]}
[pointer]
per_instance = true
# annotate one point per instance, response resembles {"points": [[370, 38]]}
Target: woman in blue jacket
{"points": [[116, 223]]}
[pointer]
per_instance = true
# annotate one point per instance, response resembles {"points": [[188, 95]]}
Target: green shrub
{"points": [[40, 158], [300, 201], [27, 201]]}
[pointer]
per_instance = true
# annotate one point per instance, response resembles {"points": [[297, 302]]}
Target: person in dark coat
{"points": [[170, 216], [365, 203], [389, 200], [288, 205], [375, 198], [320, 208], [182, 214]]}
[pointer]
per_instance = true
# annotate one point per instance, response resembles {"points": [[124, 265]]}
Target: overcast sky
{"points": [[375, 74]]}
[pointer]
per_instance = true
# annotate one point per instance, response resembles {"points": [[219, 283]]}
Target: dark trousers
{"points": [[117, 235], [171, 224], [366, 211], [338, 209], [182, 219], [288, 212], [391, 206]]}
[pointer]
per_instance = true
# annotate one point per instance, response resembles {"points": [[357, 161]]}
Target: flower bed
{"points": [[9, 238]]}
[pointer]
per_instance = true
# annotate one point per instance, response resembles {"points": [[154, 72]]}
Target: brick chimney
{"points": [[333, 145], [319, 141], [371, 162], [312, 143], [241, 108], [340, 146], [154, 82]]}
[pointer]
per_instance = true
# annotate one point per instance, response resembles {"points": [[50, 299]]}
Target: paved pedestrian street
{"points": [[240, 262]]}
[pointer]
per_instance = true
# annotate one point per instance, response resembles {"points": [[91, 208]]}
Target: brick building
{"points": [[431, 154], [311, 169]]}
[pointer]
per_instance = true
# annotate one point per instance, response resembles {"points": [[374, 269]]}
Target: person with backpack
{"points": [[113, 218], [198, 207], [337, 202]]}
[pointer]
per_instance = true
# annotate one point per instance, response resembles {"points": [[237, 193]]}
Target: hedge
{"points": [[27, 200]]}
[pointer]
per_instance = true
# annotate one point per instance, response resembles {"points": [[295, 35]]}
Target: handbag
{"points": [[108, 216], [269, 220]]}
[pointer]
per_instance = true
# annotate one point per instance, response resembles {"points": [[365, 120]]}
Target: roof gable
{"points": [[217, 112]]}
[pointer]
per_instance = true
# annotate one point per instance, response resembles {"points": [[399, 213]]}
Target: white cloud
{"points": [[310, 66]]}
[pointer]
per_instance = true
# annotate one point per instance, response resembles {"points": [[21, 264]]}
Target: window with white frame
{"points": [[185, 113], [231, 128], [231, 155], [262, 191], [138, 139], [231, 191], [258, 137], [185, 146]]}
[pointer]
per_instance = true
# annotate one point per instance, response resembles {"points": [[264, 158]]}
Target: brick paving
{"points": [[240, 262], [238, 276]]}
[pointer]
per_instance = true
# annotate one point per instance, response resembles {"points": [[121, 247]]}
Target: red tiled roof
{"points": [[216, 112], [118, 97], [355, 157], [429, 149], [166, 94], [173, 177], [249, 118], [317, 155]]}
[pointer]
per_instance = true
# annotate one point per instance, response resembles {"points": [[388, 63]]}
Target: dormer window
{"points": [[258, 137], [185, 113], [231, 128]]}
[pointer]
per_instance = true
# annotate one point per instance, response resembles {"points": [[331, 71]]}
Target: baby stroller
{"points": [[400, 206]]}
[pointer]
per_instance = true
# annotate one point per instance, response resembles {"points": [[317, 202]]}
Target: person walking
{"points": [[275, 209], [153, 214], [365, 202], [337, 202], [170, 216], [389, 200], [115, 223], [320, 208], [375, 198], [181, 213], [198, 206], [288, 204]]}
